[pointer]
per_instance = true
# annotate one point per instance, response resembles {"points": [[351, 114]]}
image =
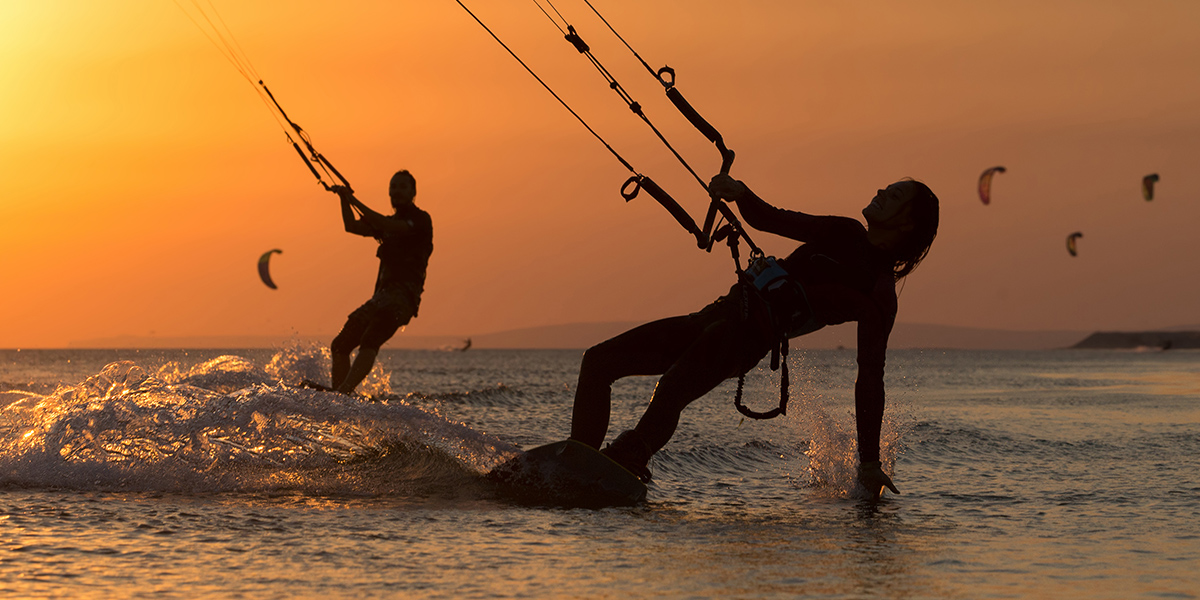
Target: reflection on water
{"points": [[1039, 474], [1155, 383]]}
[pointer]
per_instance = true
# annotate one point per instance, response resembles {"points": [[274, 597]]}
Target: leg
{"points": [[342, 345], [359, 370], [382, 326], [724, 349], [649, 349]]}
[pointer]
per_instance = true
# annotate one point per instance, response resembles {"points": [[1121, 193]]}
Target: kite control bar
{"points": [[642, 182], [666, 76], [629, 190], [223, 40], [313, 156]]}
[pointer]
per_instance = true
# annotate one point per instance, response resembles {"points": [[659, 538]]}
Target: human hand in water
{"points": [[872, 477], [727, 188]]}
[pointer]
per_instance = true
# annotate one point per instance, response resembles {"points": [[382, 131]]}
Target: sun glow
{"points": [[131, 150]]}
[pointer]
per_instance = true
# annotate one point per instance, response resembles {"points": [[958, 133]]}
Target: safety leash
{"points": [[781, 349], [781, 346]]}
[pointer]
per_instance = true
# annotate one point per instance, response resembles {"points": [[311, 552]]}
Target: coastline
{"points": [[584, 335]]}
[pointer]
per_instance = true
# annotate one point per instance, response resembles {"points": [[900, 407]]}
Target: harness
{"points": [[789, 314]]}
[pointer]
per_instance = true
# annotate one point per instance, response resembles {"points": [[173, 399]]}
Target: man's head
{"points": [[402, 189]]}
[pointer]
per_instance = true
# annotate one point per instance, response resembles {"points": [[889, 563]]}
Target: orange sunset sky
{"points": [[143, 176]]}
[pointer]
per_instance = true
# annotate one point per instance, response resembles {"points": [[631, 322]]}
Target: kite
{"points": [[264, 267], [1071, 242], [985, 183], [1148, 186]]}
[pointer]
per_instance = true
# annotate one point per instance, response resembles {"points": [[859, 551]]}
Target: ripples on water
{"points": [[184, 474]]}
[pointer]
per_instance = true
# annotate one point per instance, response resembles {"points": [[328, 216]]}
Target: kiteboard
{"points": [[312, 385], [568, 473]]}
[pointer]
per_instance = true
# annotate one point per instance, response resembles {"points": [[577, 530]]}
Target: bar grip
{"points": [[706, 240], [672, 207], [667, 202], [694, 117], [326, 162], [699, 123], [309, 164]]}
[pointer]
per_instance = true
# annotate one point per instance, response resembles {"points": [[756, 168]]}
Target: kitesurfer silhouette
{"points": [[405, 243], [842, 272]]}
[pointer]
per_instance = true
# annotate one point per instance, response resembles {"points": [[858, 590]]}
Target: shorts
{"points": [[378, 319]]}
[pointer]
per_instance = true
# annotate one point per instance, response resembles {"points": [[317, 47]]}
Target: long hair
{"points": [[915, 246]]}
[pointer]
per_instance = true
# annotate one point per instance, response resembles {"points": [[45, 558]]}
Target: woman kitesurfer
{"points": [[842, 272]]}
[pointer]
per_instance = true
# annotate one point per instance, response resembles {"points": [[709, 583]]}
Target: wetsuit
{"points": [[844, 278], [403, 258]]}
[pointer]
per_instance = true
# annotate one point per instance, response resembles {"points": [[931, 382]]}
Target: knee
{"points": [[596, 366], [342, 344]]}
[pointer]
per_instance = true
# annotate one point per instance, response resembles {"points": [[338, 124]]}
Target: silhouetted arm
{"points": [[349, 218], [873, 330], [367, 222], [796, 225], [875, 321]]}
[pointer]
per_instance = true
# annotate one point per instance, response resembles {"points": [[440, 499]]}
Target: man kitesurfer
{"points": [[405, 243], [842, 272]]}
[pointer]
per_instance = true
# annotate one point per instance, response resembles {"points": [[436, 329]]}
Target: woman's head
{"points": [[902, 220]]}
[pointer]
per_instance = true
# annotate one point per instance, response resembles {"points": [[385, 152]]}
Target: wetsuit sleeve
{"points": [[874, 327], [795, 225]]}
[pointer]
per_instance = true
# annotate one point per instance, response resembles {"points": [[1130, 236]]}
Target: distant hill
{"points": [[1166, 339], [583, 335]]}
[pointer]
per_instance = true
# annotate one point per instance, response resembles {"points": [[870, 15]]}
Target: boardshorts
{"points": [[378, 319]]}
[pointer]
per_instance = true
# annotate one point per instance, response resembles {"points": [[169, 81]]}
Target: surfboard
{"points": [[568, 473]]}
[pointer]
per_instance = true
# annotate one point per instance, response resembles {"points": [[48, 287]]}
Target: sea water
{"points": [[184, 474]]}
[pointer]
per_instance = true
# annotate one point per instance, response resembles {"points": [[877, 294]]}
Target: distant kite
{"points": [[264, 267], [1071, 242], [1148, 186], [985, 183]]}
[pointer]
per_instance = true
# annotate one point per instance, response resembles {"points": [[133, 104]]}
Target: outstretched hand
{"points": [[342, 191], [872, 477], [726, 188]]}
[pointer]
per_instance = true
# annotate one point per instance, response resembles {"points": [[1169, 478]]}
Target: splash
{"points": [[229, 425], [311, 361], [833, 447]]}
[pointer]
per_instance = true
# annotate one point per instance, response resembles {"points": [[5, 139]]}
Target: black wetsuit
{"points": [[844, 278], [403, 258]]}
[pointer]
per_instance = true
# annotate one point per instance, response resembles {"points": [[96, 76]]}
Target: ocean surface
{"points": [[193, 474]]}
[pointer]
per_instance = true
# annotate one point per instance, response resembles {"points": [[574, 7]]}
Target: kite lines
{"points": [[205, 17]]}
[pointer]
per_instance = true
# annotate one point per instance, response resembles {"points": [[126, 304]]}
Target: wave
{"points": [[227, 425]]}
